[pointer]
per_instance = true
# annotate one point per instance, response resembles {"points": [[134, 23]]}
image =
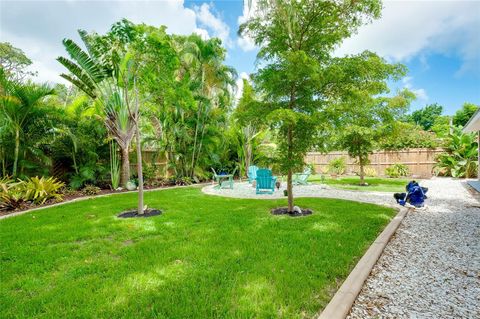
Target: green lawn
{"points": [[374, 183], [205, 257]]}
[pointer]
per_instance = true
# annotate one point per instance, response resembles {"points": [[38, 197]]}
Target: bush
{"points": [[16, 194], [39, 190], [11, 194], [90, 190], [460, 160], [397, 170], [180, 181], [370, 172], [337, 166]]}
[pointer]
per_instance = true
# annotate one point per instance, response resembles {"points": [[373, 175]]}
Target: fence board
{"points": [[420, 161]]}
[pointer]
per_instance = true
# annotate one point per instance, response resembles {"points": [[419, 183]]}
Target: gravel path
{"points": [[431, 267], [245, 190]]}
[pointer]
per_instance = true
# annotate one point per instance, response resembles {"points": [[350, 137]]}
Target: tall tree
{"points": [[365, 114], [14, 62], [296, 40], [426, 116], [463, 115]]}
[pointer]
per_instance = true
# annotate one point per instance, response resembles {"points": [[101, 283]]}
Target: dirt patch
{"points": [[284, 211], [134, 214]]}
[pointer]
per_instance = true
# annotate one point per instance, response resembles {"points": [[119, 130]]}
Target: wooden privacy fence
{"points": [[149, 157], [420, 161]]}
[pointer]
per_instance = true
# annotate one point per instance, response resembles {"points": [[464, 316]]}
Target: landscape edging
{"points": [[341, 303], [79, 199]]}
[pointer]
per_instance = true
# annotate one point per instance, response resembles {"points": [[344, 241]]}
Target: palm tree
{"points": [[212, 83], [101, 81], [19, 102]]}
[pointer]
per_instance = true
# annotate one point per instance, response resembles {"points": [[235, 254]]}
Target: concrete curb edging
{"points": [[79, 199], [341, 303]]}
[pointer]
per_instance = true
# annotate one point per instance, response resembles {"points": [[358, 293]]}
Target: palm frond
{"points": [[77, 71], [95, 71], [79, 84]]}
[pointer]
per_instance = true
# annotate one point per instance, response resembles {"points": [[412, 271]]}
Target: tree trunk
{"points": [[139, 170], [15, 154], [289, 176], [125, 175], [74, 162], [362, 171]]}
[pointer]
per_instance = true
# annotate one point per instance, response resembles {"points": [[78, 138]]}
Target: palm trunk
{"points": [[140, 210], [74, 162], [15, 154], [139, 170], [125, 175]]}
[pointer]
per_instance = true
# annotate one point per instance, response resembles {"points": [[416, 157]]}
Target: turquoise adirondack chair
{"points": [[252, 173], [265, 181], [224, 181], [302, 178]]}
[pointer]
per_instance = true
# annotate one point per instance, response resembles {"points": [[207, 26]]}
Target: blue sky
{"points": [[439, 41]]}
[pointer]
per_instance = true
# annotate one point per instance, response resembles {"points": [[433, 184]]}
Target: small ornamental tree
{"points": [[296, 40], [365, 117]]}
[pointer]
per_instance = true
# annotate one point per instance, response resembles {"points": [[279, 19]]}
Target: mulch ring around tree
{"points": [[295, 213], [133, 213]]}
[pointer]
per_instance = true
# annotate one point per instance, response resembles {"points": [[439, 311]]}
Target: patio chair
{"points": [[252, 173], [302, 178], [224, 180], [265, 182]]}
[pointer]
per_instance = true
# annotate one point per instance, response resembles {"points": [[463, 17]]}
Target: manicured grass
{"points": [[374, 183], [205, 257]]}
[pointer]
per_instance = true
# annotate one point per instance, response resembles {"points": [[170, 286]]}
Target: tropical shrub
{"points": [[41, 189], [90, 190], [461, 156], [16, 194], [337, 166], [370, 172], [11, 194], [397, 170]]}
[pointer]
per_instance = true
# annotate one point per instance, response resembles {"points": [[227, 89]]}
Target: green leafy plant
{"points": [[397, 170], [90, 190], [12, 194], [370, 172], [460, 158], [41, 189], [337, 166]]}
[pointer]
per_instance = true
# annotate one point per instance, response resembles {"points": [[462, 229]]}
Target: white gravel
{"points": [[431, 267], [246, 190]]}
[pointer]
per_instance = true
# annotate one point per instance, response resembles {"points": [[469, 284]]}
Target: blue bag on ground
{"points": [[415, 195]]}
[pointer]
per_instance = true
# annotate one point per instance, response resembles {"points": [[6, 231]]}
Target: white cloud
{"points": [[245, 42], [239, 85], [411, 28], [202, 33], [212, 21], [421, 94], [40, 36]]}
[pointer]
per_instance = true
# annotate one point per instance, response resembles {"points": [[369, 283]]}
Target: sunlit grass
{"points": [[204, 257], [374, 183]]}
